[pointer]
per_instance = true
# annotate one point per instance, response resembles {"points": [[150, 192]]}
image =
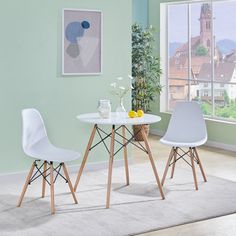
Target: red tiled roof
{"points": [[231, 57], [198, 61], [195, 41], [180, 71], [223, 72]]}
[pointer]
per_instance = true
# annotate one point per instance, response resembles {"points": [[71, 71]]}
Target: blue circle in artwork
{"points": [[73, 31], [85, 24]]}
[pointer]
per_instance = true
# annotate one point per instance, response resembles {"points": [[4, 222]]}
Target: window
{"points": [[208, 25], [208, 43], [221, 93], [200, 56]]}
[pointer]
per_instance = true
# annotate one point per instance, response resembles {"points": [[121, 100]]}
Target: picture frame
{"points": [[81, 42]]}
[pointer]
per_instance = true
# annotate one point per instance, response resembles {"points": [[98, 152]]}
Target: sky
{"points": [[224, 21]]}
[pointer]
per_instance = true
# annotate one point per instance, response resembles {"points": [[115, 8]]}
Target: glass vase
{"points": [[104, 109], [120, 110]]}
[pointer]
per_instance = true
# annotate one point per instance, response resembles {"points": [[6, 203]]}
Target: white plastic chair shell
{"points": [[35, 141], [187, 127]]}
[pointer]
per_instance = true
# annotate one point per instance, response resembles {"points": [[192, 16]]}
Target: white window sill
{"points": [[219, 120]]}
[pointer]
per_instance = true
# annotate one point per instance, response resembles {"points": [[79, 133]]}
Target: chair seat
{"points": [[183, 143], [44, 150]]}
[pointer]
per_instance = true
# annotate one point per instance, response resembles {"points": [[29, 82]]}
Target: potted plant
{"points": [[145, 72]]}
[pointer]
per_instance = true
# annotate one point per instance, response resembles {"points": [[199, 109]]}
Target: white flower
{"points": [[119, 89], [113, 84], [130, 76]]}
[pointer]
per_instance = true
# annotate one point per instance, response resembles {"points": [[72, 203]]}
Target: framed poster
{"points": [[81, 42]]}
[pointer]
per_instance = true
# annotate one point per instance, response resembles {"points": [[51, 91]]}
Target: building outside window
{"points": [[200, 56]]}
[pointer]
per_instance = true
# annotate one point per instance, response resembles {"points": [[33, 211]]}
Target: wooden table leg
{"points": [[193, 168], [167, 165], [200, 164], [152, 162], [69, 182], [52, 189], [125, 156], [174, 162], [112, 146], [26, 184], [85, 157], [44, 180]]}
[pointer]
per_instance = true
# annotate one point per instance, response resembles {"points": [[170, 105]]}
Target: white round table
{"points": [[122, 123], [94, 118]]}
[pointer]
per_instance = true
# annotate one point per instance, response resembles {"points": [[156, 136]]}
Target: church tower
{"points": [[205, 26]]}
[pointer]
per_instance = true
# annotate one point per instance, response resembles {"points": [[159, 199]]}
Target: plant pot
{"points": [[136, 130]]}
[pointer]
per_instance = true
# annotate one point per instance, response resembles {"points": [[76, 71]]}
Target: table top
{"points": [[94, 118]]}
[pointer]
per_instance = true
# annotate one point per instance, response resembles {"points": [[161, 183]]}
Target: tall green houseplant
{"points": [[145, 69]]}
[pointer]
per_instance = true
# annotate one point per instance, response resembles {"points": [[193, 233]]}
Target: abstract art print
{"points": [[81, 42]]}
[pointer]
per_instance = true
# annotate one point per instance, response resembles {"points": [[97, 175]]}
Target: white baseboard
{"points": [[94, 166], [224, 146], [157, 132], [209, 143]]}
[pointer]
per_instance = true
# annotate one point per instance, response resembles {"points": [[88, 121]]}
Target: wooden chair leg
{"points": [[26, 184], [167, 165], [112, 146], [125, 157], [85, 157], [193, 168], [52, 189], [44, 181], [200, 164], [174, 162], [152, 162], [69, 183]]}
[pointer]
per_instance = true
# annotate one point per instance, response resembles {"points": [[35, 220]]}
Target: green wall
{"points": [[217, 131], [30, 59], [140, 12]]}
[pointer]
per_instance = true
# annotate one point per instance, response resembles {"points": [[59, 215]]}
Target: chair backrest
{"points": [[33, 128], [187, 123]]}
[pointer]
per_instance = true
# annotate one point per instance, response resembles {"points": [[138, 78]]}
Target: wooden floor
{"points": [[216, 162]]}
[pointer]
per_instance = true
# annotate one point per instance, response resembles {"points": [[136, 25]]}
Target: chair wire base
{"points": [[194, 157], [181, 156], [32, 177], [44, 174]]}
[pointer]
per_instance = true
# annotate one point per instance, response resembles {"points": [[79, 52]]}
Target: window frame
{"points": [[164, 52]]}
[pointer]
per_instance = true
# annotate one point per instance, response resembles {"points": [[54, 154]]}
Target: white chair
{"points": [[187, 129], [37, 145]]}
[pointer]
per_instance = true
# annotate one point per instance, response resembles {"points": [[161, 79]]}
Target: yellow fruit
{"points": [[140, 113], [132, 114]]}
